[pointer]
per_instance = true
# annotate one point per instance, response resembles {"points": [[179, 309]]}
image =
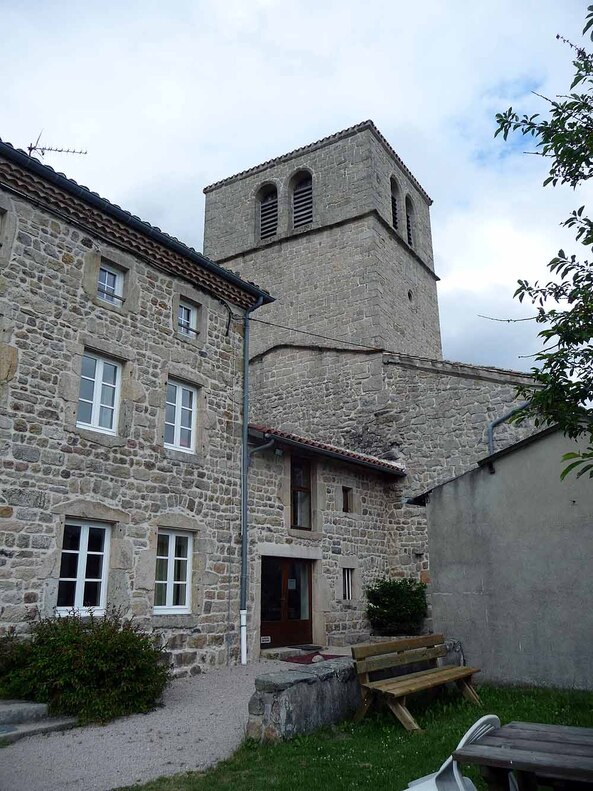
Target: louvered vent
{"points": [[394, 211], [409, 229], [268, 214], [302, 202]]}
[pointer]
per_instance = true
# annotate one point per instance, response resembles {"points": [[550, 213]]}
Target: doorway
{"points": [[285, 602]]}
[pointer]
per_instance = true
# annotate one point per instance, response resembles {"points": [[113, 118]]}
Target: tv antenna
{"points": [[42, 149]]}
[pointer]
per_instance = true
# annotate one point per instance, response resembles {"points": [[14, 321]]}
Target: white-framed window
{"points": [[84, 566], [187, 318], [180, 416], [172, 586], [98, 398], [347, 584], [110, 284]]}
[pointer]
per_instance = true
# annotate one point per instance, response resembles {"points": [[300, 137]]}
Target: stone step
{"points": [[19, 711], [15, 731]]}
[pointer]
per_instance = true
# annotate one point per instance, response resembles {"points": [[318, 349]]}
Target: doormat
{"points": [[307, 659]]}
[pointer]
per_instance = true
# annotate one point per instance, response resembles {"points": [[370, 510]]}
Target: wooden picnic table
{"points": [[554, 755]]}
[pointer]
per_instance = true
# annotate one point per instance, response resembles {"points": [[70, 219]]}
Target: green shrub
{"points": [[396, 606], [89, 667], [13, 652]]}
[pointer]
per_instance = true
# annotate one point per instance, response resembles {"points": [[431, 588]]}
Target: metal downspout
{"points": [[244, 485], [498, 421]]}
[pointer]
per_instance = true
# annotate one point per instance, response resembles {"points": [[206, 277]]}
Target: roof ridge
{"points": [[351, 130]]}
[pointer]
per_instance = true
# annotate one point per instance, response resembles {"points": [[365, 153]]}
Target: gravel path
{"points": [[202, 722]]}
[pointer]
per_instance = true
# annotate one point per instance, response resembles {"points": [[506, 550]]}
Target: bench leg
{"points": [[403, 714], [467, 690], [367, 696]]}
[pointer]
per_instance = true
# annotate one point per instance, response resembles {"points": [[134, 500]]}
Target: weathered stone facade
{"points": [[54, 470], [362, 540], [353, 274], [358, 277]]}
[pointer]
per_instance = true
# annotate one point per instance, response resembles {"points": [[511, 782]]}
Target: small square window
{"points": [[181, 402], [98, 398], [347, 584], [110, 284], [187, 318], [84, 566], [172, 579], [347, 500]]}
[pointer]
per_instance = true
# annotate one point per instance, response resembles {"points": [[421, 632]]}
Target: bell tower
{"points": [[339, 232]]}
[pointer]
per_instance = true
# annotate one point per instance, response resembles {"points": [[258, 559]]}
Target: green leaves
{"points": [[562, 390], [93, 668], [396, 606]]}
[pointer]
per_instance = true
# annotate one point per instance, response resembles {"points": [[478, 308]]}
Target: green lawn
{"points": [[377, 753]]}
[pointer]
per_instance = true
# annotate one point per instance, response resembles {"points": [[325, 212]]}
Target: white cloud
{"points": [[168, 98]]}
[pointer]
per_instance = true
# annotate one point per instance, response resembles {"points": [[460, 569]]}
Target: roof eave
{"points": [[92, 198], [258, 434]]}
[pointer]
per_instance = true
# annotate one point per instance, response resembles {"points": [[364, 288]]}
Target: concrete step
{"points": [[19, 711], [15, 731]]}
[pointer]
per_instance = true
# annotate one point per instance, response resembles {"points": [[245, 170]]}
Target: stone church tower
{"points": [[339, 233]]}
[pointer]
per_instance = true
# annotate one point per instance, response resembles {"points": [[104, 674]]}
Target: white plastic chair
{"points": [[448, 777]]}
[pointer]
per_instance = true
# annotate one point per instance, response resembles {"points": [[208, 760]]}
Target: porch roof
{"points": [[267, 433]]}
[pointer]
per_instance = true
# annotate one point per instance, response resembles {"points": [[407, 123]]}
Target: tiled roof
{"points": [[323, 448], [12, 176], [352, 130]]}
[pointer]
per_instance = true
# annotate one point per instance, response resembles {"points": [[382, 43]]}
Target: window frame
{"points": [[178, 407], [347, 583], [191, 331], [347, 500], [168, 608], [80, 579], [96, 402], [117, 298], [295, 489]]}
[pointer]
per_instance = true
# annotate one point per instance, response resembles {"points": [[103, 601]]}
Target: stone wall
{"points": [[287, 703], [432, 415], [511, 545], [366, 540], [49, 314]]}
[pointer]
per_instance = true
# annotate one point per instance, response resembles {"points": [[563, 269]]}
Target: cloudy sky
{"points": [[169, 97]]}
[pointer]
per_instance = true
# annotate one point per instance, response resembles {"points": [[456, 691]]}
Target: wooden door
{"points": [[285, 602]]}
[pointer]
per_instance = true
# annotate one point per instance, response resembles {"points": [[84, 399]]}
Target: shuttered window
{"points": [[394, 199], [302, 201], [268, 213], [410, 222]]}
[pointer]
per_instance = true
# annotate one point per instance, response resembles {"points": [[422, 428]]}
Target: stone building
{"points": [[350, 351], [120, 393], [121, 384], [323, 525]]}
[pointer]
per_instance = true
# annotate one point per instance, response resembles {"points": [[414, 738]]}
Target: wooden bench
{"points": [[395, 655]]}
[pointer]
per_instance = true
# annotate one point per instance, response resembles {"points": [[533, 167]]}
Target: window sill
{"points": [[179, 621], [171, 611], [193, 339], [182, 455], [100, 438], [103, 303], [308, 535], [96, 612]]}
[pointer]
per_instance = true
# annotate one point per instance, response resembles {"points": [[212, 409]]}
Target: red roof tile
{"points": [[350, 456]]}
